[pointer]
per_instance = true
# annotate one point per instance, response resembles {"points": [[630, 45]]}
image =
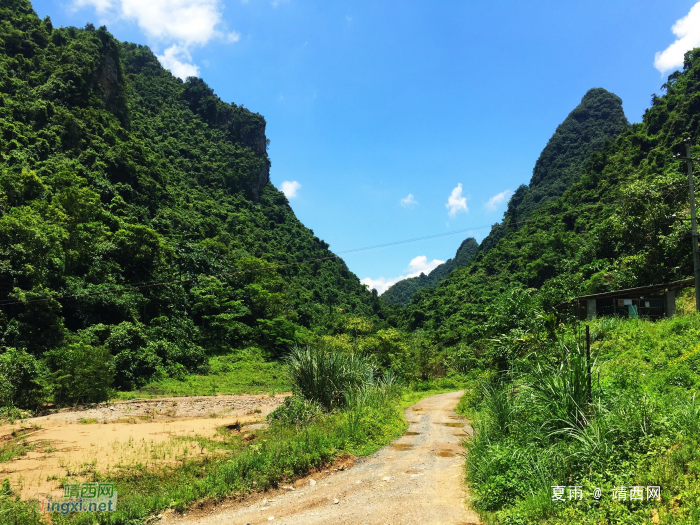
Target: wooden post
{"points": [[693, 226], [588, 363]]}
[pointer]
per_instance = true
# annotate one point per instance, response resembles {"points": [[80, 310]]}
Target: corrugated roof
{"points": [[630, 292]]}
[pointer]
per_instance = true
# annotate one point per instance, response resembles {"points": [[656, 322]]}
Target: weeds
{"points": [[541, 426]]}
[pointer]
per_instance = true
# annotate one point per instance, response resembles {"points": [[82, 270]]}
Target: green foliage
{"points": [[536, 427], [80, 373], [597, 120], [20, 379], [296, 410], [16, 512], [136, 213], [327, 378], [402, 292], [246, 372]]}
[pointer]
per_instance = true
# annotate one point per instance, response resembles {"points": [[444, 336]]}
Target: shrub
{"points": [[136, 366], [80, 373], [296, 410], [20, 379]]}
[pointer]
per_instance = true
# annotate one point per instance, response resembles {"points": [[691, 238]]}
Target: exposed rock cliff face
{"points": [[107, 78], [241, 126]]}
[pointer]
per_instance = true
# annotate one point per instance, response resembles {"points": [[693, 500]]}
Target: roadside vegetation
{"points": [[538, 426]]}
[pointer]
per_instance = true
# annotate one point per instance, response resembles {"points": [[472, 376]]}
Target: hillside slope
{"points": [[402, 292], [598, 119], [115, 175], [611, 229]]}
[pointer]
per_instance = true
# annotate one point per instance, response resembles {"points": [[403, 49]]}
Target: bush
{"points": [[296, 410], [136, 366], [80, 373], [20, 379]]}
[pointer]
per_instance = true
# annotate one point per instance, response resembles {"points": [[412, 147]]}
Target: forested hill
{"points": [[599, 118], [613, 228], [402, 292], [117, 174]]}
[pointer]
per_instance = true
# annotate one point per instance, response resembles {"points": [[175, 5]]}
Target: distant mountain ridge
{"points": [[402, 292]]}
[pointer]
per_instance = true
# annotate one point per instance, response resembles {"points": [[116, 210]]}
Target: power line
{"points": [[309, 261]]}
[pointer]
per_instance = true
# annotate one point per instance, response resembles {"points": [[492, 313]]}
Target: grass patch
{"points": [[14, 449], [88, 421], [15, 445], [229, 375]]}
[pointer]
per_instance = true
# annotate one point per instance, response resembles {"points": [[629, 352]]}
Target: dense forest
{"points": [[117, 176], [402, 292]]}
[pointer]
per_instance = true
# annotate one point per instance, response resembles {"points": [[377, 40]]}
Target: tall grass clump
{"points": [[327, 377], [559, 390]]}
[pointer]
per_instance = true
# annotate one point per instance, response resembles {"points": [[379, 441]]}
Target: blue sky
{"points": [[393, 120]]}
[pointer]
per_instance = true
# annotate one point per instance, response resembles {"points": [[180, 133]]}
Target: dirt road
{"points": [[417, 479]]}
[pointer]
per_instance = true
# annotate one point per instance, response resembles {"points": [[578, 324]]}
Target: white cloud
{"points": [[417, 266], [178, 24], [290, 188], [493, 203], [409, 202], [456, 203], [381, 284], [176, 60], [420, 265], [687, 31]]}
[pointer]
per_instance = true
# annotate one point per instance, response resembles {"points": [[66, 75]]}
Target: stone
{"points": [[312, 482], [336, 501], [159, 516]]}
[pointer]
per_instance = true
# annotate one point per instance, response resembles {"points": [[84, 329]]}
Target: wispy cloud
{"points": [[178, 60], [494, 202], [417, 266], [178, 25], [456, 203], [687, 31], [409, 202], [290, 188]]}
